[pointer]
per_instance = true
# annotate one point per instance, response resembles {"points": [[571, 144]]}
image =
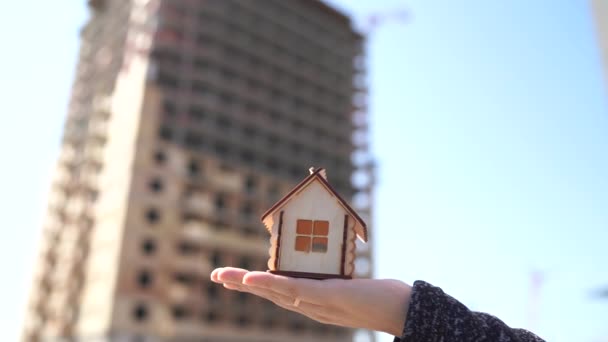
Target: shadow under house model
{"points": [[313, 231]]}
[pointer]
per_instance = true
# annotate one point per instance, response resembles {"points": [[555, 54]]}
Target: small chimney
{"points": [[321, 170]]}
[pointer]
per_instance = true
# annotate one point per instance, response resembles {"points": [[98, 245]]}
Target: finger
{"points": [[230, 275], [234, 287], [312, 291], [214, 274]]}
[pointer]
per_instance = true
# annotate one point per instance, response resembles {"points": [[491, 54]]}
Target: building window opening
{"points": [[272, 164], [223, 123], [216, 259], [144, 279], [220, 202], [273, 191], [156, 185], [197, 113], [247, 156], [165, 133], [296, 326], [160, 158], [193, 140], [247, 211], [169, 108], [242, 298], [221, 149], [250, 184], [199, 87], [244, 263], [193, 168], [212, 290], [153, 216], [249, 131], [242, 320], [211, 316], [148, 246], [140, 312]]}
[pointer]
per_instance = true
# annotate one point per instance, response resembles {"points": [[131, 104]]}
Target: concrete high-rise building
{"points": [[600, 13], [187, 120]]}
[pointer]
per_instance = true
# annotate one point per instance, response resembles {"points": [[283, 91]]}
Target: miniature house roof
{"points": [[318, 175]]}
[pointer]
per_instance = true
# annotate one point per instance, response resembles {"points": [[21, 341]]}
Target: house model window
{"points": [[311, 236]]}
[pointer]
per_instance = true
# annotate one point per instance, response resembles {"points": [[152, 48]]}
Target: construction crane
{"points": [[600, 293], [537, 279], [376, 19]]}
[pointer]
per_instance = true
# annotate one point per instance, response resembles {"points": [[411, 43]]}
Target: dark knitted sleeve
{"points": [[435, 316]]}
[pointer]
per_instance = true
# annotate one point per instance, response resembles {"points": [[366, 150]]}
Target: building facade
{"points": [[187, 120]]}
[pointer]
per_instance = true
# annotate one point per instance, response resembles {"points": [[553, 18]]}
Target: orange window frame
{"points": [[311, 236]]}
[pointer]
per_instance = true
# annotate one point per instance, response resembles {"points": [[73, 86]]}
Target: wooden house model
{"points": [[313, 231]]}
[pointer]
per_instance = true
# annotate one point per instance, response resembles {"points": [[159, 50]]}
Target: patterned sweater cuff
{"points": [[435, 316], [416, 313]]}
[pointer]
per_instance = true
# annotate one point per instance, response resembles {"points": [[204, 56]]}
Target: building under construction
{"points": [[187, 119]]}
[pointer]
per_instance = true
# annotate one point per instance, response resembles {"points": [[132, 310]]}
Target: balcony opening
{"points": [[179, 312], [269, 323], [250, 231], [296, 326], [188, 248], [184, 279]]}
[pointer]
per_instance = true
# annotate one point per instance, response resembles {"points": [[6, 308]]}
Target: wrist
{"points": [[398, 300]]}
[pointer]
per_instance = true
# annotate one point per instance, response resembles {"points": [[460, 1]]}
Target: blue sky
{"points": [[490, 127]]}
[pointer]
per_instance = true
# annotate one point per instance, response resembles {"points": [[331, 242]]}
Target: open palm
{"points": [[358, 303]]}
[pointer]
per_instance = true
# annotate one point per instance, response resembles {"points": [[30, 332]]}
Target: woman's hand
{"points": [[358, 303]]}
